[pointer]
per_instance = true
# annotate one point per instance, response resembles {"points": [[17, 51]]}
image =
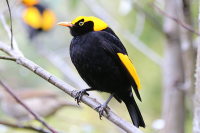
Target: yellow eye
{"points": [[81, 23]]}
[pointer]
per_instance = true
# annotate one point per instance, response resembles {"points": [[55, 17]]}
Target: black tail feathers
{"points": [[134, 112]]}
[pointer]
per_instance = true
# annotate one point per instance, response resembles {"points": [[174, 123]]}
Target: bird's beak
{"points": [[67, 24]]}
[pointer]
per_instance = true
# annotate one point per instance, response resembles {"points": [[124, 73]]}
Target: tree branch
{"points": [[140, 23], [91, 102], [196, 117], [188, 27], [188, 51], [23, 127], [11, 4], [9, 90], [6, 27], [152, 19], [173, 101], [10, 25], [7, 58]]}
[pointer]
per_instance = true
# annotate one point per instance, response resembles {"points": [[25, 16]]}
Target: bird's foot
{"points": [[79, 95], [101, 109]]}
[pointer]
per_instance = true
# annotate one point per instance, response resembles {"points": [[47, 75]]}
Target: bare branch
{"points": [[7, 58], [140, 23], [196, 117], [23, 127], [91, 102], [188, 27], [8, 89], [10, 25], [173, 103], [188, 52], [6, 27], [11, 4], [152, 19]]}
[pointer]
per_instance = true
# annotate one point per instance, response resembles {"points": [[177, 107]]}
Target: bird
{"points": [[37, 17], [103, 63], [42, 102]]}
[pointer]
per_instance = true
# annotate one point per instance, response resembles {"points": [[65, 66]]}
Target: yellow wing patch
{"points": [[33, 18], [98, 23], [129, 66], [49, 19]]}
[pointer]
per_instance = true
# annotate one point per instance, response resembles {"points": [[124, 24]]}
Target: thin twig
{"points": [[149, 16], [23, 127], [188, 27], [140, 23], [7, 58], [11, 4], [10, 25], [91, 102], [9, 90], [6, 27]]}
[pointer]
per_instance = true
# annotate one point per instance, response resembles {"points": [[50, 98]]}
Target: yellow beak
{"points": [[67, 24]]}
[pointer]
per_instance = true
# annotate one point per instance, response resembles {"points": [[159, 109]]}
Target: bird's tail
{"points": [[134, 112]]}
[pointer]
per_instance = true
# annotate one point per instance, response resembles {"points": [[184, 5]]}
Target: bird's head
{"points": [[83, 24]]}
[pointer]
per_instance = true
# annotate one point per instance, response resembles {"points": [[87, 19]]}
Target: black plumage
{"points": [[95, 56]]}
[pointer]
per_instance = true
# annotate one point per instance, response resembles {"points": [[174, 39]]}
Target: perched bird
{"points": [[103, 63], [44, 103], [37, 17]]}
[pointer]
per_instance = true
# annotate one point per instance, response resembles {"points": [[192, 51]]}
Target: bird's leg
{"points": [[102, 108], [80, 93]]}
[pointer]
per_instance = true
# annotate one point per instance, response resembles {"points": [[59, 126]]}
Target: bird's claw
{"points": [[100, 109], [79, 95]]}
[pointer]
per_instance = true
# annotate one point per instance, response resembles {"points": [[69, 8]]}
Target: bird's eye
{"points": [[81, 23]]}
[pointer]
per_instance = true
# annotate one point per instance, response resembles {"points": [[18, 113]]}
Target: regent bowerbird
{"points": [[37, 17], [103, 63]]}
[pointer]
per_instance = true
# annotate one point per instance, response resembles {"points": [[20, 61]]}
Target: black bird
{"points": [[103, 63], [37, 17]]}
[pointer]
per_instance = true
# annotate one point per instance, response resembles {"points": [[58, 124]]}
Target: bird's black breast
{"points": [[94, 65]]}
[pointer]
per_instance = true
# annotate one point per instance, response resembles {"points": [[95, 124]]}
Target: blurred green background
{"points": [[86, 120]]}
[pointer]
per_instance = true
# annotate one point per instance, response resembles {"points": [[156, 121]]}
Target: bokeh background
{"points": [[140, 29]]}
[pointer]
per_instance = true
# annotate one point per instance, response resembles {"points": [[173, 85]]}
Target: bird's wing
{"points": [[114, 48]]}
